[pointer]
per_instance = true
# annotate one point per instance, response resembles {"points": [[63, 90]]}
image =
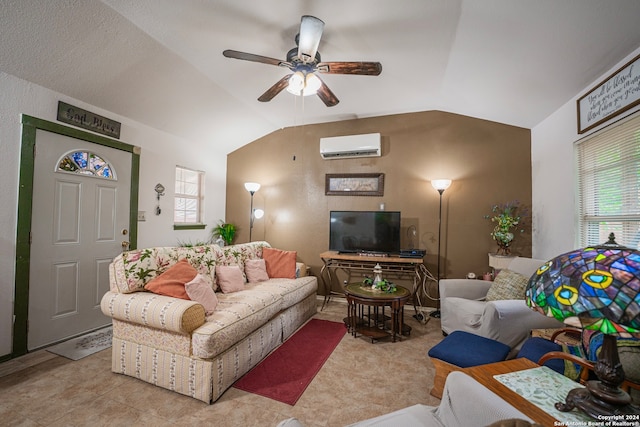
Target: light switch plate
{"points": [[142, 216]]}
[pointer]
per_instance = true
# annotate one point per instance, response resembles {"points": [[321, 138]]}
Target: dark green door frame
{"points": [[23, 250]]}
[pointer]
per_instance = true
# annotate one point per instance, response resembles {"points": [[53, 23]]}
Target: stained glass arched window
{"points": [[86, 163]]}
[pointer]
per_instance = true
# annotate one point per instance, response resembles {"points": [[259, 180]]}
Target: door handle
{"points": [[125, 245]]}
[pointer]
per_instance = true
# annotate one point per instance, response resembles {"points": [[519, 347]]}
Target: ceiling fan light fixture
{"points": [[296, 83], [312, 84], [301, 84]]}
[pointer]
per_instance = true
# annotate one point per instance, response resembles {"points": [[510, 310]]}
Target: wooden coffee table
{"points": [[484, 375], [359, 296]]}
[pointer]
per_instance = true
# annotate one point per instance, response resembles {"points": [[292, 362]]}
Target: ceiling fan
{"points": [[304, 62]]}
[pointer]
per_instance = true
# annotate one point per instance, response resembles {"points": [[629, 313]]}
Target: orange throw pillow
{"points": [[280, 263], [171, 282]]}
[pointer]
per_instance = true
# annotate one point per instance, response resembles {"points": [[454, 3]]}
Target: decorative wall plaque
{"points": [[87, 120], [354, 184], [616, 94]]}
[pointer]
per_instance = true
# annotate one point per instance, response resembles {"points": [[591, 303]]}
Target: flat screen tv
{"points": [[364, 231]]}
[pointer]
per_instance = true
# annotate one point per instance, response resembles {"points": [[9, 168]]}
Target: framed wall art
{"points": [[616, 94], [354, 184]]}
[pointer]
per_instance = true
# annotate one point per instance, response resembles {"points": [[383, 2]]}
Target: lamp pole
{"points": [[251, 215], [440, 191], [440, 185], [251, 187]]}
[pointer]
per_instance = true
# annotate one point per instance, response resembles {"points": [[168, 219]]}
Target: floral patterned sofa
{"points": [[171, 343]]}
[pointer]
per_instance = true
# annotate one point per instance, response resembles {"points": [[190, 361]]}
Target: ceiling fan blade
{"points": [[328, 97], [359, 68], [255, 58], [309, 38], [275, 89]]}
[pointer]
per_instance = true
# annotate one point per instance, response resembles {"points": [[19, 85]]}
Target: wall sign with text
{"points": [[617, 93], [354, 184], [82, 118]]}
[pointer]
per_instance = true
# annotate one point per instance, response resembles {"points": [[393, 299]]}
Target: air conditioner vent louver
{"points": [[365, 153], [341, 147]]}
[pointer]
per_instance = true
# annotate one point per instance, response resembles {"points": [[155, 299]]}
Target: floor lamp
{"points": [[251, 187], [440, 185]]}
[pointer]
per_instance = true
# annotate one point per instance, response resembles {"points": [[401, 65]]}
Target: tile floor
{"points": [[360, 380]]}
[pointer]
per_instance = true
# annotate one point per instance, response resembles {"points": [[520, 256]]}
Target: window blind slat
{"points": [[608, 173], [189, 193]]}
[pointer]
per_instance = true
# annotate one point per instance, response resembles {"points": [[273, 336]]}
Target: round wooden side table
{"points": [[360, 296]]}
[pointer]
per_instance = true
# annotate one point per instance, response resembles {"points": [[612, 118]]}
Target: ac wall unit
{"points": [[342, 147]]}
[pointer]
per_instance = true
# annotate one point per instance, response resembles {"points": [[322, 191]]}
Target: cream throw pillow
{"points": [[507, 285], [199, 290], [256, 270], [230, 278]]}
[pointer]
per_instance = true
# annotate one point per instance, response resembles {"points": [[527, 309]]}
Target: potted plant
{"points": [[508, 218], [223, 233]]}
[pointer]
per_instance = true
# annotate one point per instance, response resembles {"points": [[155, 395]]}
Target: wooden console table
{"points": [[394, 267]]}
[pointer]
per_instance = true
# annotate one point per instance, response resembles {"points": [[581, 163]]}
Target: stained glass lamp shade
{"points": [[595, 288]]}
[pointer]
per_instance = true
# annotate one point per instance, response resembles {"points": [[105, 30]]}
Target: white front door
{"points": [[80, 219]]}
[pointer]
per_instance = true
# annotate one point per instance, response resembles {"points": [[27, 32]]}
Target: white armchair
{"points": [[463, 308], [465, 403]]}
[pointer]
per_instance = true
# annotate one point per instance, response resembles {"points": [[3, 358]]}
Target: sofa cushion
{"points": [[131, 270], [238, 254], [199, 290], [204, 259], [171, 282], [237, 315], [280, 264], [507, 285], [291, 291], [256, 270], [230, 278]]}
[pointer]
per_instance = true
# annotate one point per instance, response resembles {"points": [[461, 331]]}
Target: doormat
{"points": [[85, 345], [285, 374]]}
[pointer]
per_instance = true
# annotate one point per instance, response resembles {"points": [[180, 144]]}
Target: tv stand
{"points": [[362, 263]]}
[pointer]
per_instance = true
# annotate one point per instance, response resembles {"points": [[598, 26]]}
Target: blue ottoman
{"points": [[462, 350], [536, 347]]}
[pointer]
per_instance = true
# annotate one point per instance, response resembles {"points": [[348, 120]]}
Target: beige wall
{"points": [[488, 162]]}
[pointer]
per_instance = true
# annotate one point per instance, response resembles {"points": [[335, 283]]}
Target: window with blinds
{"points": [[608, 165], [188, 196]]}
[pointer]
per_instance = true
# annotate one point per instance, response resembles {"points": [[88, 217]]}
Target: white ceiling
{"points": [[160, 61]]}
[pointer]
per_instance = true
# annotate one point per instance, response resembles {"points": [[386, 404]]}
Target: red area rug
{"points": [[285, 374]]}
